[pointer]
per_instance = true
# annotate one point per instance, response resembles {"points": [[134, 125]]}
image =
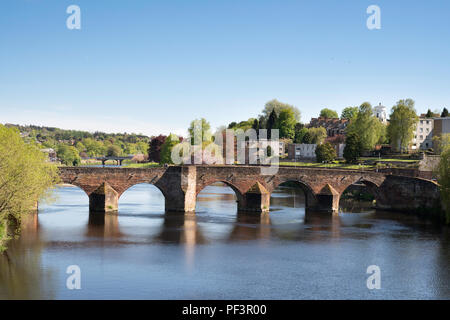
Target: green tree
{"points": [[325, 152], [300, 132], [367, 127], [277, 106], [166, 149], [317, 135], [328, 113], [349, 113], [68, 155], [200, 130], [353, 148], [80, 146], [25, 177], [286, 124], [402, 124], [113, 151], [444, 175], [307, 137], [429, 114], [444, 113], [271, 123]]}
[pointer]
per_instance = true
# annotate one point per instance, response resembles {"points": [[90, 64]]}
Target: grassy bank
{"points": [[142, 165], [335, 165]]}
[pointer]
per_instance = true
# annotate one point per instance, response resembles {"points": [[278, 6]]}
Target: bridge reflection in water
{"points": [[143, 252]]}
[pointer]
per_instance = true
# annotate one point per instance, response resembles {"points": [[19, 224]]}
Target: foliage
{"points": [[328, 113], [92, 144], [441, 141], [353, 148], [166, 149], [444, 113], [315, 135], [444, 175], [244, 125], [286, 124], [367, 127], [277, 106], [403, 121], [325, 153], [300, 132], [154, 150], [349, 113], [25, 176], [68, 155], [113, 151], [271, 123], [199, 131]]}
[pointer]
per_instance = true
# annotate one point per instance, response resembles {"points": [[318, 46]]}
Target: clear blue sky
{"points": [[153, 66]]}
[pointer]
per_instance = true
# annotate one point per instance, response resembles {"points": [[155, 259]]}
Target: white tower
{"points": [[380, 112]]}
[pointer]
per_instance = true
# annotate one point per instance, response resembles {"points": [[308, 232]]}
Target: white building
{"points": [[423, 137], [381, 113]]}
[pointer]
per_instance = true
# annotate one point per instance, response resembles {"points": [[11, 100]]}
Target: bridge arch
{"points": [[237, 192], [310, 196], [361, 189], [154, 194]]}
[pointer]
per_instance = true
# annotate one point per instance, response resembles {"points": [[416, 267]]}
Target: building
{"points": [[334, 126], [423, 137], [297, 151], [381, 113], [441, 127], [51, 154]]}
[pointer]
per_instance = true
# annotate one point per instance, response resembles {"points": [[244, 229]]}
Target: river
{"points": [[142, 253]]}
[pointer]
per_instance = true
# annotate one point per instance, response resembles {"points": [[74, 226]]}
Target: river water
{"points": [[142, 253]]}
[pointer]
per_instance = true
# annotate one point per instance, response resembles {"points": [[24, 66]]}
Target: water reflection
{"points": [[142, 252], [21, 273], [103, 226], [250, 226]]}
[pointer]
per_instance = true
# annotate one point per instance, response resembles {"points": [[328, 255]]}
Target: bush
{"points": [[325, 153]]}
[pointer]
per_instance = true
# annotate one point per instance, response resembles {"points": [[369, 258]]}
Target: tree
{"points": [[349, 113], [367, 127], [429, 114], [300, 132], [325, 153], [25, 177], [307, 137], [353, 148], [444, 175], [113, 151], [444, 113], [277, 106], [286, 124], [166, 149], [317, 135], [68, 155], [154, 151], [402, 124], [199, 131], [271, 123], [328, 113]]}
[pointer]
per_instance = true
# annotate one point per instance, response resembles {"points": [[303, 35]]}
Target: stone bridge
{"points": [[180, 186]]}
